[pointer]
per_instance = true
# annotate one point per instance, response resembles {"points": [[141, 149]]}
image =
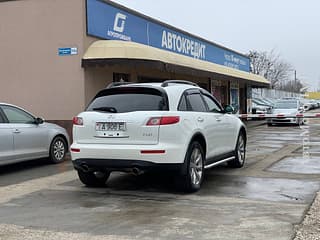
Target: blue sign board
{"points": [[106, 21], [67, 51]]}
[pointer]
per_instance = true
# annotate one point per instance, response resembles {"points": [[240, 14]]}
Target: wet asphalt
{"points": [[263, 200]]}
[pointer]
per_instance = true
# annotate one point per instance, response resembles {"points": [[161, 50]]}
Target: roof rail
{"points": [[116, 84], [167, 82]]}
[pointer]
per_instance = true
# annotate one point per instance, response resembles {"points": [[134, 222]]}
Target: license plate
{"points": [[110, 126]]}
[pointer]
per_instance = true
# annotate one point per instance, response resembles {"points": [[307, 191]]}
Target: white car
{"points": [[172, 126], [24, 137], [287, 112], [259, 109]]}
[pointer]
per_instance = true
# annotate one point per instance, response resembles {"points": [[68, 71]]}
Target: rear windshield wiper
{"points": [[105, 109]]}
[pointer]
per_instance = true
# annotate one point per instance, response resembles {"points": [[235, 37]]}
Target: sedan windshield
{"points": [[286, 105]]}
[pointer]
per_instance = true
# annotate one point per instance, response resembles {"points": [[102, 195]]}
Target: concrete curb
{"points": [[309, 229]]}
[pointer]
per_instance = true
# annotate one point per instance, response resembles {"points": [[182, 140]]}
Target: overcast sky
{"points": [[290, 27]]}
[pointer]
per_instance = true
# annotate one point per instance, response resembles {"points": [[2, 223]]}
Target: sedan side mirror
{"points": [[38, 121], [228, 109]]}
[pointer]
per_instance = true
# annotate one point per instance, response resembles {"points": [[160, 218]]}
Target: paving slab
{"points": [[298, 164]]}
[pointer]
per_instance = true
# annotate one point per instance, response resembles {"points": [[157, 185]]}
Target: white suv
{"points": [[174, 125]]}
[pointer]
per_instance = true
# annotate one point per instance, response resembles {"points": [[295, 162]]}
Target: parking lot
{"points": [[263, 200]]}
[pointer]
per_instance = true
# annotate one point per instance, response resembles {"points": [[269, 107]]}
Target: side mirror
{"points": [[228, 109], [38, 121]]}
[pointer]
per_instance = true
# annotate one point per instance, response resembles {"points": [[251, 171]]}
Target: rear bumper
{"points": [[92, 165], [172, 153], [124, 158], [292, 120]]}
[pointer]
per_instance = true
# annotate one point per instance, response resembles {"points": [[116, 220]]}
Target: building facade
{"points": [[55, 55]]}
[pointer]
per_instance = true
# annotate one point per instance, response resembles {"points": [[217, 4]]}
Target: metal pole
{"points": [[295, 80]]}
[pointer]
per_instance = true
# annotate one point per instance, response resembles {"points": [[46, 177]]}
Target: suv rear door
{"points": [[120, 115]]}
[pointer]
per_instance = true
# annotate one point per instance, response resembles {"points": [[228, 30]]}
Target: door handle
{"points": [[218, 119], [16, 131], [200, 119]]}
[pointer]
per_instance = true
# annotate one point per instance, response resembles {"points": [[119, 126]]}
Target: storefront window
{"points": [[121, 77], [234, 96], [219, 91]]}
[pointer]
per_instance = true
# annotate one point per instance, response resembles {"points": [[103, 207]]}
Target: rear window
{"points": [[130, 99]]}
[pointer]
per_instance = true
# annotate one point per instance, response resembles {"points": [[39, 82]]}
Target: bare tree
{"points": [[271, 66], [293, 86]]}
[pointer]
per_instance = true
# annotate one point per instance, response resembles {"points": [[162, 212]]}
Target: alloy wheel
{"points": [[241, 150], [59, 150], [196, 166]]}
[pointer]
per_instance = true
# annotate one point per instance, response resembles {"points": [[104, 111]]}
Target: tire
{"points": [[191, 182], [240, 152], [91, 180], [58, 149], [301, 122]]}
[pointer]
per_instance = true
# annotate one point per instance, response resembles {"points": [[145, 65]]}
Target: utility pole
{"points": [[295, 80]]}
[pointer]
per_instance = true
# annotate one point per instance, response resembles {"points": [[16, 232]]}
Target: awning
{"points": [[107, 51]]}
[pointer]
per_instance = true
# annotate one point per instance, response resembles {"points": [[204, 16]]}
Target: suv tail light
{"points": [[155, 121], [77, 121]]}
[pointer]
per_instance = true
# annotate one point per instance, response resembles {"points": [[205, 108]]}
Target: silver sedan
{"points": [[287, 111], [25, 137]]}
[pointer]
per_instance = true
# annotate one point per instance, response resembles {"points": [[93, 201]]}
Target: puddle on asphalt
{"points": [[299, 164], [268, 189], [217, 185], [260, 150], [147, 182]]}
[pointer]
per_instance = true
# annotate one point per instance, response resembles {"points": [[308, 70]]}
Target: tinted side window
{"points": [[1, 117], [15, 115], [183, 104], [196, 102], [212, 105]]}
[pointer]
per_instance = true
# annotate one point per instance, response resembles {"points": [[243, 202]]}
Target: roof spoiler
{"points": [[116, 84], [167, 82]]}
